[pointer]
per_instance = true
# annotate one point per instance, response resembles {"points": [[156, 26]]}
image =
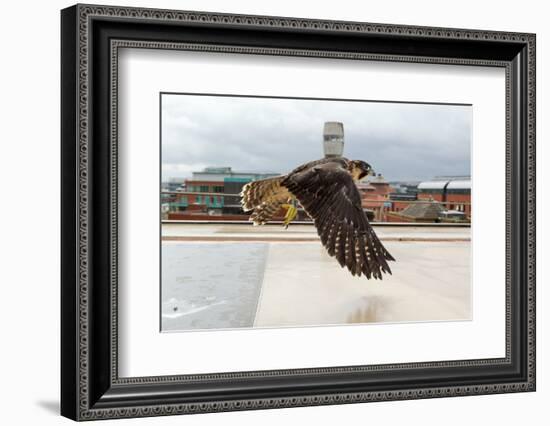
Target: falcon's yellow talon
{"points": [[291, 213]]}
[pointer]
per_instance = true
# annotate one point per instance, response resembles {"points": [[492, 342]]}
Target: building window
{"points": [[219, 202], [218, 189], [203, 188], [198, 199]]}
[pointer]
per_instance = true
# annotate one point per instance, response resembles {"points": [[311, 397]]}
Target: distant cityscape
{"points": [[212, 194]]}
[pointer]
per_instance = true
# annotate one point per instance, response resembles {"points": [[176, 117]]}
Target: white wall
{"points": [[29, 225]]}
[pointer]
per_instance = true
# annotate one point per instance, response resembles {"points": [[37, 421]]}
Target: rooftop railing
{"points": [[381, 204], [222, 194]]}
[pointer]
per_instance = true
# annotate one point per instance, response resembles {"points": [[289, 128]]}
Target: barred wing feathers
{"points": [[329, 195]]}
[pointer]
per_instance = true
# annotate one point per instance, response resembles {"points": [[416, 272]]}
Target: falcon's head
{"points": [[359, 169]]}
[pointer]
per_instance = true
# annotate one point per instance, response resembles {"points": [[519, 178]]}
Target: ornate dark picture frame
{"points": [[91, 37]]}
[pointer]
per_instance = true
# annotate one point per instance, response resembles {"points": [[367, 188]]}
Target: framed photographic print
{"points": [[263, 212]]}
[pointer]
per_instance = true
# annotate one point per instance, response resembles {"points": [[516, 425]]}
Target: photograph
{"points": [[272, 210], [299, 212]]}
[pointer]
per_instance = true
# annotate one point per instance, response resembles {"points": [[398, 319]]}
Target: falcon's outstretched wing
{"points": [[329, 195]]}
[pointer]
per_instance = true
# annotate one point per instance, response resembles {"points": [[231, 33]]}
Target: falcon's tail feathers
{"points": [[264, 212], [256, 192], [265, 197]]}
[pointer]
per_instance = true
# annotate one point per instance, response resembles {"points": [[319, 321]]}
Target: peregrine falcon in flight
{"points": [[327, 192]]}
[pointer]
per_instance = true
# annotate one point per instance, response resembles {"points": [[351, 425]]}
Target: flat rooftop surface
{"points": [[219, 276]]}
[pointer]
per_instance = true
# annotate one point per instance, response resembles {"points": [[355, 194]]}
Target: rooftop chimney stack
{"points": [[333, 139]]}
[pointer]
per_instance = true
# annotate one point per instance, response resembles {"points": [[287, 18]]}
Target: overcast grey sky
{"points": [[401, 141]]}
